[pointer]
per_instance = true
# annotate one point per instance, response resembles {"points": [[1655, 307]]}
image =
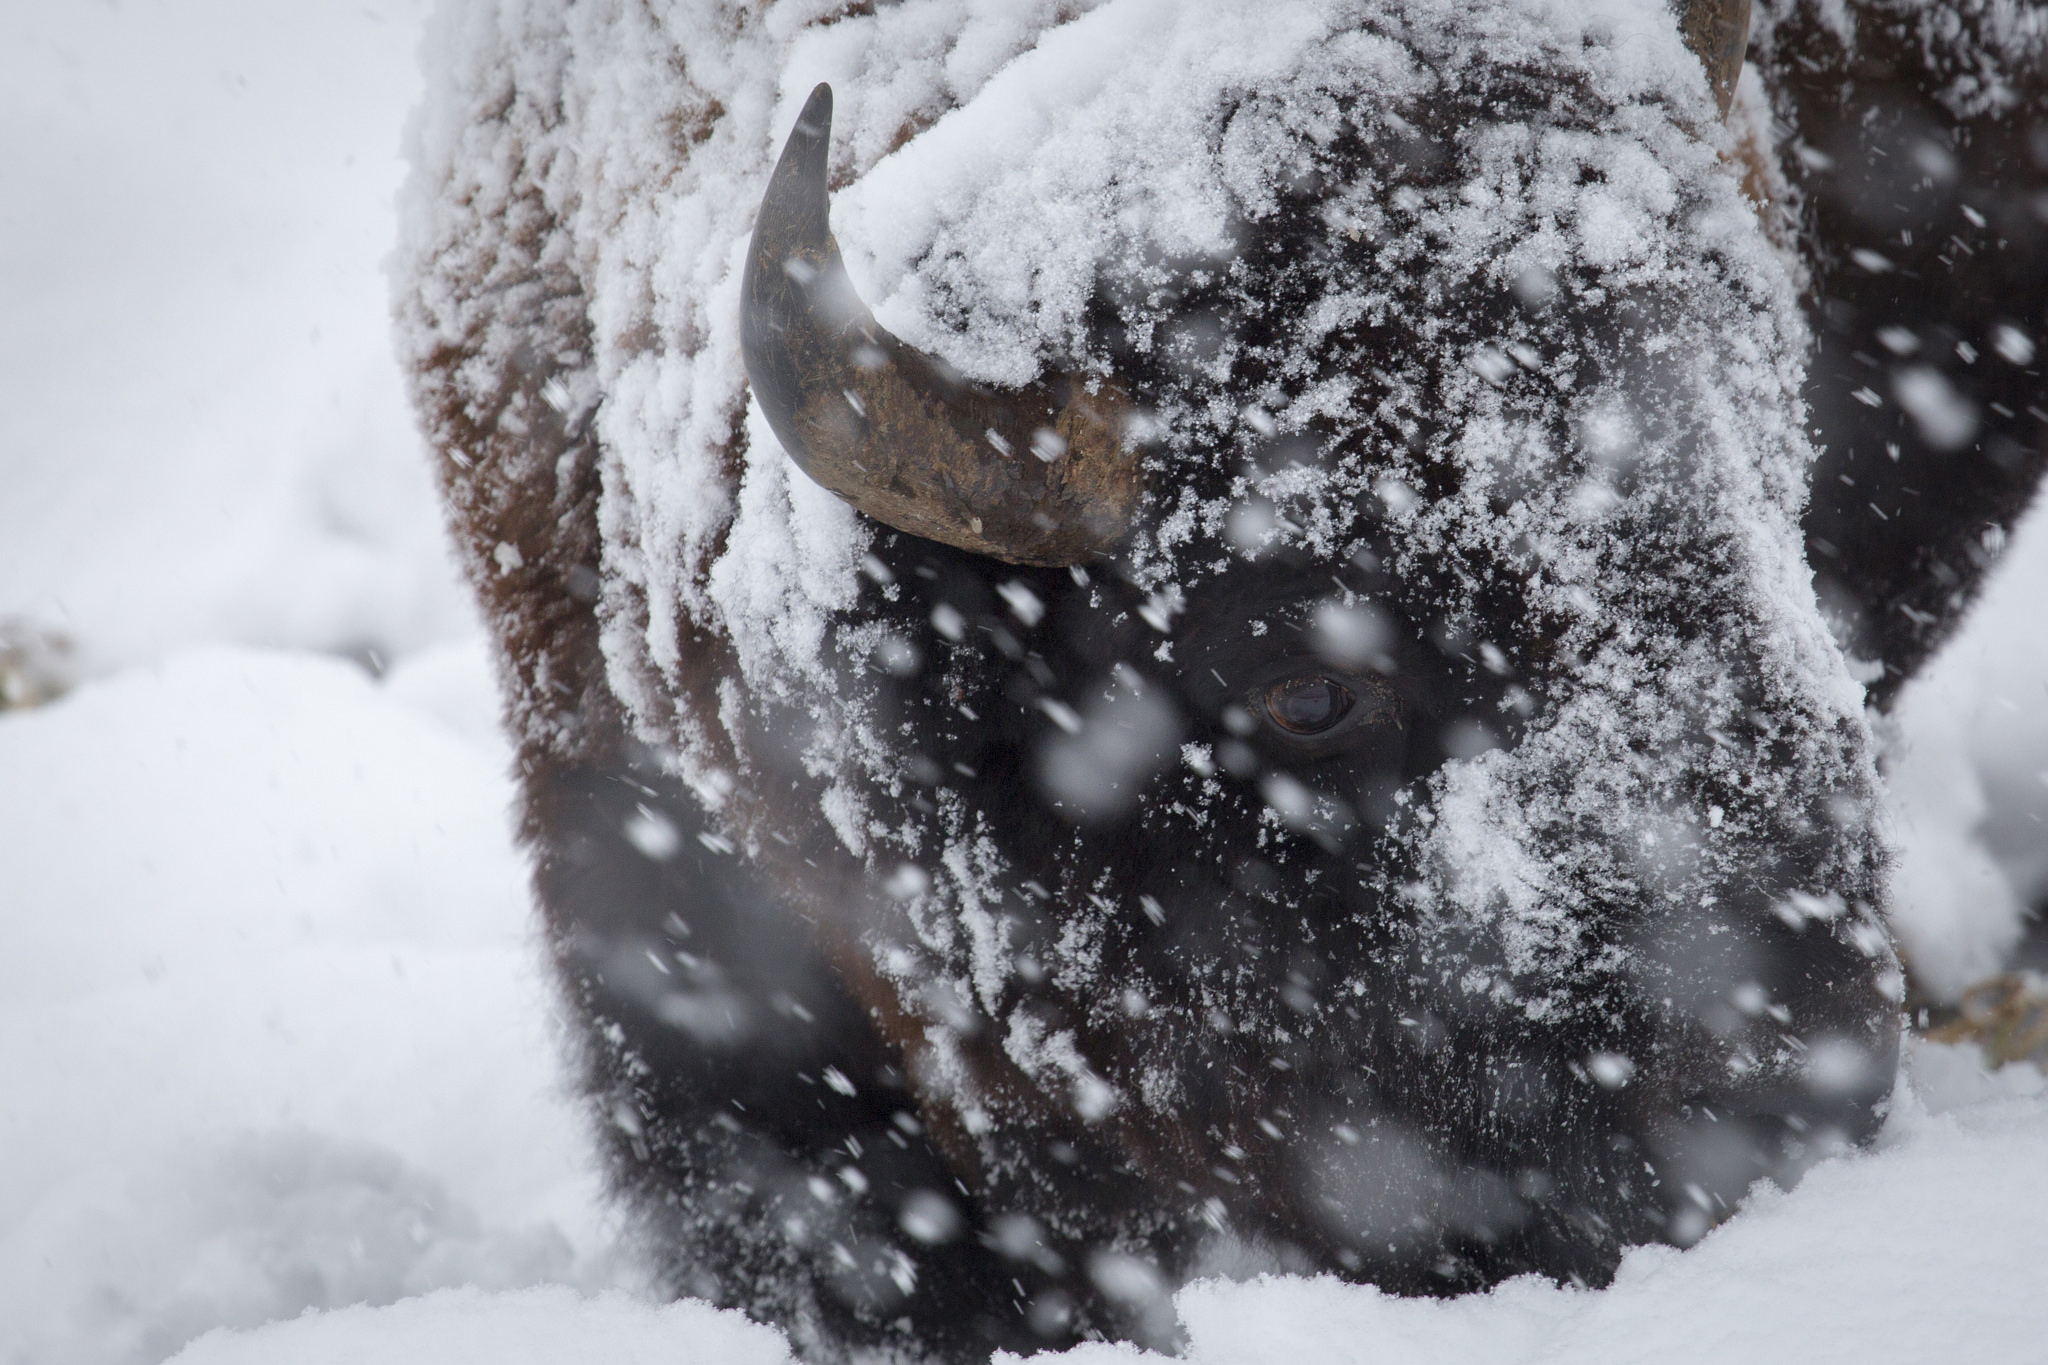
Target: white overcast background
{"points": [[274, 1039]]}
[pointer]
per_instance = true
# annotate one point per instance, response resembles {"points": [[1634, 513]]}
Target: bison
{"points": [[1310, 705]]}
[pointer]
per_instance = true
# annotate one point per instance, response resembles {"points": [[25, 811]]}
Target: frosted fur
{"points": [[1973, 47], [999, 163]]}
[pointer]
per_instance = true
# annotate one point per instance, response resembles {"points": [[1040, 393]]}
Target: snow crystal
{"points": [[2012, 344], [1947, 420], [1100, 767]]}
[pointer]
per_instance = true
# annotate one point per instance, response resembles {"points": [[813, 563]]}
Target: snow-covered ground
{"points": [[273, 1036]]}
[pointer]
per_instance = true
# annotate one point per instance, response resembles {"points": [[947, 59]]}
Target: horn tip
{"points": [[816, 119], [796, 189]]}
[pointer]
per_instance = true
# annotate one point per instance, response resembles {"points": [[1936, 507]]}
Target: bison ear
{"points": [[1717, 31], [1926, 238]]}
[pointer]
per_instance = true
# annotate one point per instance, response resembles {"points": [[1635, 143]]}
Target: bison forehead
{"points": [[1105, 152]]}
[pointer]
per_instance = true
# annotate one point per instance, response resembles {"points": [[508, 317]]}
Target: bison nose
{"points": [[1778, 1029], [1825, 1093], [1778, 1046]]}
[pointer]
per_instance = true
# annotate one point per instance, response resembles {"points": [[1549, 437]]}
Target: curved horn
{"points": [[1040, 475], [1717, 31]]}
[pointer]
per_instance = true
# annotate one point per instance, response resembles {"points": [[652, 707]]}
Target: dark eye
{"points": [[1306, 706]]}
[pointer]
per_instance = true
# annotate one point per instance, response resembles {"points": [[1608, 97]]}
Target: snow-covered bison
{"points": [[1306, 737]]}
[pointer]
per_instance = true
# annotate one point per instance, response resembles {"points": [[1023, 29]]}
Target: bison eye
{"points": [[1306, 706]]}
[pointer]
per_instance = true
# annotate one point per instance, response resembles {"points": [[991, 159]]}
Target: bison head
{"points": [[1426, 832], [1304, 739]]}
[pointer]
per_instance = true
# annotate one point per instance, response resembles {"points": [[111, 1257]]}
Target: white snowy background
{"points": [[274, 1042]]}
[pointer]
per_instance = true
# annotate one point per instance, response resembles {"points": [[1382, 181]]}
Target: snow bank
{"points": [[271, 1029], [535, 1327], [1924, 1249], [203, 434], [1968, 772], [1918, 1252]]}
